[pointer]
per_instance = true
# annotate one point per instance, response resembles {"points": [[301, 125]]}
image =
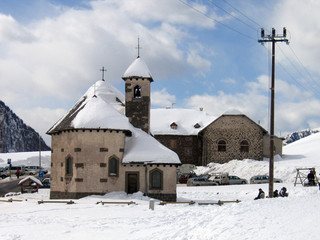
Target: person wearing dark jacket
{"points": [[275, 193], [283, 192], [311, 178], [261, 194]]}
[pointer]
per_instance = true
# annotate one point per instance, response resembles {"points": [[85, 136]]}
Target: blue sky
{"points": [[201, 54]]}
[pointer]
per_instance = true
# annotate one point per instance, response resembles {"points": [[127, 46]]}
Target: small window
{"points": [[222, 146], [113, 167], [137, 92], [156, 178], [173, 125], [69, 166], [244, 146], [197, 125]]}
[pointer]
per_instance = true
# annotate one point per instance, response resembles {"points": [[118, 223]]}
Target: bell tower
{"points": [[137, 94]]}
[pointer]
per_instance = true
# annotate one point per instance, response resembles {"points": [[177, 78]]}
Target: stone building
{"points": [[178, 130], [232, 136], [200, 139], [96, 150]]}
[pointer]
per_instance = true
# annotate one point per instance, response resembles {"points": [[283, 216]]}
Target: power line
{"points": [[313, 86], [250, 19], [232, 15], [217, 21]]}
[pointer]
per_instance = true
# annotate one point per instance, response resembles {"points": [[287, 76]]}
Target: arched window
{"points": [[244, 146], [156, 179], [137, 92], [69, 168], [113, 167], [222, 146]]}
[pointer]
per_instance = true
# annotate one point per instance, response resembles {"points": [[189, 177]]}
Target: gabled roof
{"points": [[138, 69], [100, 107], [238, 113], [30, 178], [143, 148], [188, 121], [97, 110]]}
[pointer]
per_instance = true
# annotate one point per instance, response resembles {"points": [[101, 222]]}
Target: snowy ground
{"points": [[295, 217]]}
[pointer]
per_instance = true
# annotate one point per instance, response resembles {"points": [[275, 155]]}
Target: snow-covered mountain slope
{"points": [[295, 136], [15, 135]]}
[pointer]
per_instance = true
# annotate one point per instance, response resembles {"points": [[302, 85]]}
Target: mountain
{"points": [[15, 135], [292, 137]]}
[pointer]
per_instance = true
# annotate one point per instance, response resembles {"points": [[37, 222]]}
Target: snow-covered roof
{"points": [[108, 93], [188, 121], [97, 110], [232, 112], [100, 107], [143, 148], [96, 113], [36, 180], [138, 68]]}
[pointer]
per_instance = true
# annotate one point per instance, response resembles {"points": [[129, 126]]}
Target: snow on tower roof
{"points": [[188, 121], [143, 148], [138, 69]]}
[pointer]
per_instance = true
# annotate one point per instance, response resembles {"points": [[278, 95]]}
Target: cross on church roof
{"points": [[138, 47], [103, 70]]}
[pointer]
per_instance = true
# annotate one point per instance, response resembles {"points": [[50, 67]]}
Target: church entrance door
{"points": [[132, 182]]}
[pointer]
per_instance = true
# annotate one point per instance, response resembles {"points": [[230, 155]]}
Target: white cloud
{"points": [[229, 81], [48, 118], [53, 60], [162, 98], [301, 18], [290, 114]]}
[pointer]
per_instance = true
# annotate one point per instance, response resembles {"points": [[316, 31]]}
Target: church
{"points": [[103, 144]]}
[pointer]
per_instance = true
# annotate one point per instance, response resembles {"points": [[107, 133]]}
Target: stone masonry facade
{"points": [[188, 147], [232, 130]]}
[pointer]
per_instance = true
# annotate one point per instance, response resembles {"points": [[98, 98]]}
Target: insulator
{"points": [[262, 33], [273, 32], [284, 32]]}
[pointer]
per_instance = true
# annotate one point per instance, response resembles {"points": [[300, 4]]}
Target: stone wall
{"points": [[188, 147], [232, 129], [138, 109]]}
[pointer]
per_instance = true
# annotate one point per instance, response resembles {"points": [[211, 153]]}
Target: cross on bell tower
{"points": [[138, 47]]}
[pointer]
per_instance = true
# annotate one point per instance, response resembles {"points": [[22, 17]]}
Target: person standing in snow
{"points": [[18, 173], [275, 193], [261, 194], [311, 178]]}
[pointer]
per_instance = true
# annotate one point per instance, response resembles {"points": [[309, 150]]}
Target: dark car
{"points": [[46, 183]]}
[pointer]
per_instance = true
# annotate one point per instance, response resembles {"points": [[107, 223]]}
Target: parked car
{"points": [[237, 180], [263, 179], [220, 178], [13, 170], [34, 170], [45, 183], [200, 182], [4, 174]]}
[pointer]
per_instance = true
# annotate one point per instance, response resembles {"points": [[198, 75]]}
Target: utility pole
{"points": [[273, 38]]}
